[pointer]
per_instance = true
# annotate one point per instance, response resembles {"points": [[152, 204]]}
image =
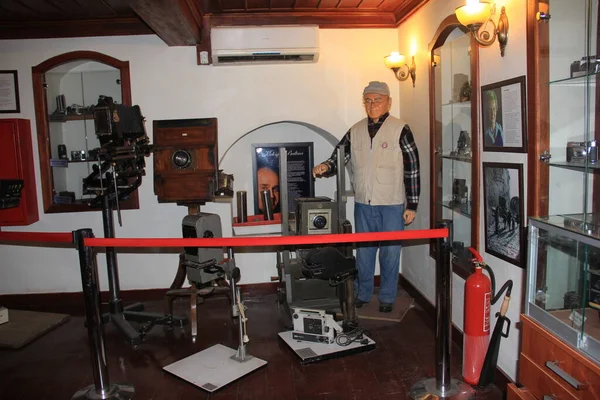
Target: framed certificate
{"points": [[9, 92]]}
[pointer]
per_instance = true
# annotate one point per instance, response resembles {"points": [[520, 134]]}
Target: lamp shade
{"points": [[474, 12], [395, 60]]}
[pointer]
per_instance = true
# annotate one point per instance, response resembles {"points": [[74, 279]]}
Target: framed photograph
{"points": [[503, 116], [503, 211], [265, 167], [9, 92]]}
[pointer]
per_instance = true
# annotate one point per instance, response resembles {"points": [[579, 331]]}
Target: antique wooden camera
{"points": [[185, 160]]}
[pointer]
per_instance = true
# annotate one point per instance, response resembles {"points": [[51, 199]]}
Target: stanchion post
{"points": [[442, 386], [102, 388], [443, 296]]}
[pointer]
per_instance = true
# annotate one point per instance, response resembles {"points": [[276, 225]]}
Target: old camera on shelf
{"points": [[587, 65], [459, 191], [580, 152], [78, 155]]}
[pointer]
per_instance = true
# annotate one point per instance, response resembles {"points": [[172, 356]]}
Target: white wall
{"points": [[167, 84], [417, 266]]}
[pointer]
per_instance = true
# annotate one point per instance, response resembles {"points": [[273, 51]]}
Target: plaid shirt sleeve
{"points": [[412, 174], [332, 161]]}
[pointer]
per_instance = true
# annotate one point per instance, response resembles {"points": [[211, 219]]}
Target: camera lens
{"points": [[182, 159], [319, 222]]}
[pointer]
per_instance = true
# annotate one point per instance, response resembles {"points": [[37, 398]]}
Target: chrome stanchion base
{"points": [[427, 390], [114, 392]]}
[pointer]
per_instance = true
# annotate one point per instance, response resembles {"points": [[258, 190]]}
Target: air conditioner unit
{"points": [[264, 44]]}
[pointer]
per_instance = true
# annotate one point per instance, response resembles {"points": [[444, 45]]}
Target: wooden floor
{"points": [[58, 364]]}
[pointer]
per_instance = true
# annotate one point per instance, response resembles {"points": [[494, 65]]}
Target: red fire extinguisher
{"points": [[480, 294], [476, 336]]}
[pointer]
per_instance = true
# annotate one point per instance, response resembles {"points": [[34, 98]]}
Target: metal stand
{"points": [[102, 388], [217, 366], [238, 311], [442, 386], [118, 314]]}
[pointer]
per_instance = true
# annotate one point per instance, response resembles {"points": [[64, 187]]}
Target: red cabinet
{"points": [[16, 162]]}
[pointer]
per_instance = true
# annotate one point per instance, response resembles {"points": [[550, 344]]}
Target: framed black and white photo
{"points": [[503, 211], [265, 167], [503, 116], [9, 92]]}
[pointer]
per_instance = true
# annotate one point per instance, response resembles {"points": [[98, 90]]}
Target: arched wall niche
{"points": [[237, 159]]}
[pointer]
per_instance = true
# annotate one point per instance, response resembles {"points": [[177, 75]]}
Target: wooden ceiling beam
{"points": [[77, 28], [176, 22], [407, 9], [325, 19]]}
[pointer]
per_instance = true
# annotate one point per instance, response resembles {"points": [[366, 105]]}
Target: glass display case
{"points": [[569, 68], [66, 88], [563, 283], [454, 138], [73, 89]]}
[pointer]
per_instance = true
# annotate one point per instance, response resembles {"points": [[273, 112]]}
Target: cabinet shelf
{"points": [[462, 209], [458, 104], [70, 117], [458, 158], [576, 81], [575, 166], [583, 224]]}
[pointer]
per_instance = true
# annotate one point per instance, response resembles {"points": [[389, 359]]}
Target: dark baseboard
{"points": [[501, 380], [74, 300]]}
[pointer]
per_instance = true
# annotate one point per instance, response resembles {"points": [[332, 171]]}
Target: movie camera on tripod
{"points": [[124, 145]]}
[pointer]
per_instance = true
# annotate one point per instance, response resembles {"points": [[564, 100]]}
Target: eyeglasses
{"points": [[376, 101]]}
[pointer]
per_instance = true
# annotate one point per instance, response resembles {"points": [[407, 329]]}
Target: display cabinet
{"points": [[454, 139], [564, 69], [563, 285], [66, 88], [560, 349]]}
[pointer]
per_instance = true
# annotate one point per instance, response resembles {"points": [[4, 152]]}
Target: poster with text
{"points": [[266, 172]]}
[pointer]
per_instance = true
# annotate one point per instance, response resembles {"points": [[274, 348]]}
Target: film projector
{"points": [[317, 282]]}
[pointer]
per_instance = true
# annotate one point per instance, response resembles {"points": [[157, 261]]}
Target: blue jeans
{"points": [[378, 219]]}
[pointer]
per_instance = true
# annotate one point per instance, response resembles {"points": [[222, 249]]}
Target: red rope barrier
{"points": [[41, 237], [264, 241]]}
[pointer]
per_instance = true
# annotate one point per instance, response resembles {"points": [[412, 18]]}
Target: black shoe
{"points": [[359, 303], [385, 307]]}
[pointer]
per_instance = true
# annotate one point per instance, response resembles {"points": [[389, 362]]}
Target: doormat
{"points": [[23, 327], [371, 310]]}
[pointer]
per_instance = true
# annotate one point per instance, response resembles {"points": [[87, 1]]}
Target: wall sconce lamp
{"points": [[397, 63], [476, 14]]}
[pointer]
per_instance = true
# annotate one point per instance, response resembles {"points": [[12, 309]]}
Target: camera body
{"points": [[459, 191], [315, 216], [123, 146], [78, 155], [580, 152]]}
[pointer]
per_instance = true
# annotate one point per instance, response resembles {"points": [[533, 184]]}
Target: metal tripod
{"points": [[119, 315]]}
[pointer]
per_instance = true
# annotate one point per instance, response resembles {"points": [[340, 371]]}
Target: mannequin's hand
{"points": [[409, 216], [320, 170]]}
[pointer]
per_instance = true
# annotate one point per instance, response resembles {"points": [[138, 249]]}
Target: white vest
{"points": [[378, 169]]}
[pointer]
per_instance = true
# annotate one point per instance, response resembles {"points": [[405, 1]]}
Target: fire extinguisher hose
{"points": [[507, 285]]}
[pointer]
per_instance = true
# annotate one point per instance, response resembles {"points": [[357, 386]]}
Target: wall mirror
{"points": [[453, 138], [66, 88]]}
